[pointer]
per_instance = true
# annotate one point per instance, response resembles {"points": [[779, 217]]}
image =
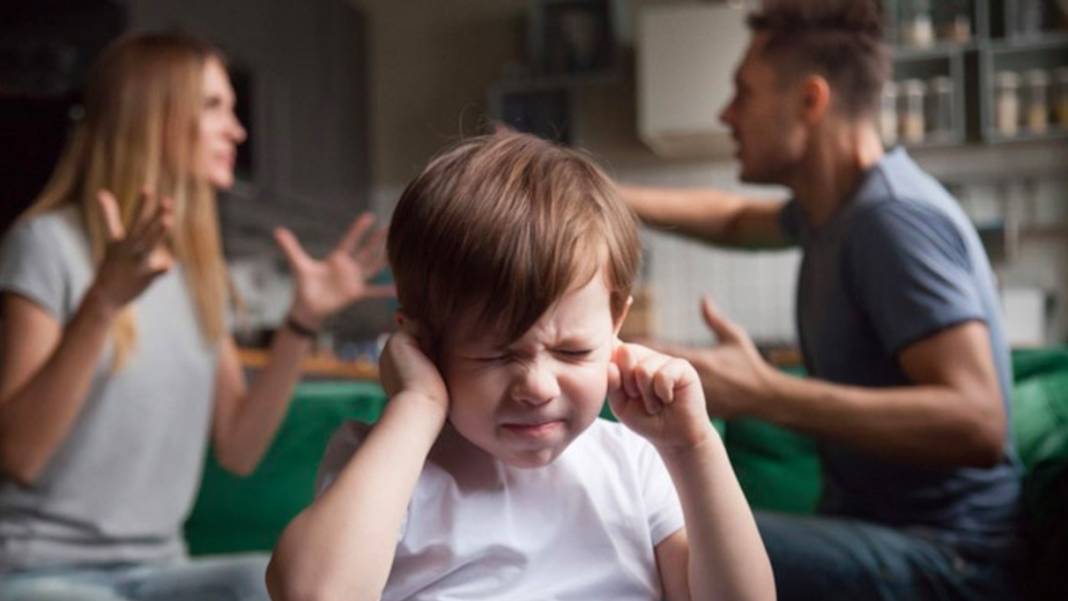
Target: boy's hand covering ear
{"points": [[658, 396], [405, 367]]}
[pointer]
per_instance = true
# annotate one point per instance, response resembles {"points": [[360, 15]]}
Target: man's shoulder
{"points": [[895, 214], [898, 193]]}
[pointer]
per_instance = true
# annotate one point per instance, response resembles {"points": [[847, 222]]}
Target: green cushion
{"points": [[234, 514], [1040, 405], [1040, 424], [778, 469]]}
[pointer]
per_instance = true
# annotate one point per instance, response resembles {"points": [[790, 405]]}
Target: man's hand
{"points": [[735, 378], [659, 397]]}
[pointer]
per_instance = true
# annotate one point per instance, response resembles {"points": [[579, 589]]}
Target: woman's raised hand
{"points": [[326, 286], [133, 259]]}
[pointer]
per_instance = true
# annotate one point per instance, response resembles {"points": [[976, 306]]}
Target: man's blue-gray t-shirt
{"points": [[899, 262]]}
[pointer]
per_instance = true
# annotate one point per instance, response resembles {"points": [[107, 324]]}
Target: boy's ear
{"points": [[622, 315]]}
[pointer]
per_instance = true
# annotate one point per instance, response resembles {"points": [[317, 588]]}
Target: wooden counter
{"points": [[321, 365]]}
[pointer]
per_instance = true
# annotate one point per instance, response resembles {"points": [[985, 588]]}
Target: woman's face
{"points": [[219, 131]]}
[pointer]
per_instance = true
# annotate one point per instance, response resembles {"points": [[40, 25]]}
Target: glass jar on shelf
{"points": [[888, 114], [955, 21], [1029, 17], [1060, 79], [911, 124], [917, 27], [939, 117], [1036, 85], [1007, 104]]}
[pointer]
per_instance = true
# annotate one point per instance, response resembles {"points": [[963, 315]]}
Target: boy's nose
{"points": [[536, 384]]}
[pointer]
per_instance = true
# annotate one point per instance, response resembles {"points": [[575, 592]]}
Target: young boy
{"points": [[489, 475]]}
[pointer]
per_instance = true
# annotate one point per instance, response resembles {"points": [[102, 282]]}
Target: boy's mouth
{"points": [[534, 429]]}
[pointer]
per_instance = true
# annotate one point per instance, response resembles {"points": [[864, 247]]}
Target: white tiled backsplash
{"points": [[756, 290]]}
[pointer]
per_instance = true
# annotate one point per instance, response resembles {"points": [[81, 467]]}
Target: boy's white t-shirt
{"points": [[583, 527]]}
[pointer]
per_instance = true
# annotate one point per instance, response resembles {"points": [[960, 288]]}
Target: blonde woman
{"points": [[117, 369]]}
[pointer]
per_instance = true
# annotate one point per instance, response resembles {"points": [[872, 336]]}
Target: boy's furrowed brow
{"points": [[474, 344], [575, 339]]}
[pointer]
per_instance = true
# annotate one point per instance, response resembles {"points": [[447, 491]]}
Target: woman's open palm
{"points": [[326, 286]]}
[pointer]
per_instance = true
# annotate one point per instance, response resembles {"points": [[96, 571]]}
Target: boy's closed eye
{"points": [[574, 353], [567, 353], [494, 358]]}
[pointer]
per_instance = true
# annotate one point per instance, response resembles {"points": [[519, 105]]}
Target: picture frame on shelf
{"points": [[572, 37], [544, 111]]}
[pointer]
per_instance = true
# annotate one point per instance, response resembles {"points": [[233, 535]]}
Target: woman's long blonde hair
{"points": [[139, 132]]}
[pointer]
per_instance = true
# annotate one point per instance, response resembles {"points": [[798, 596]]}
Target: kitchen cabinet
{"points": [[685, 60], [953, 60], [1001, 59]]}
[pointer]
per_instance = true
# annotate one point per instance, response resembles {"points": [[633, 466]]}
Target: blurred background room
{"points": [[345, 100]]}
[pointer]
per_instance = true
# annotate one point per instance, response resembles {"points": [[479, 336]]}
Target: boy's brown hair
{"points": [[503, 226]]}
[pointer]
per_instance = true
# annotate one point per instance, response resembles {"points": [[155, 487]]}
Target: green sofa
{"points": [[778, 470]]}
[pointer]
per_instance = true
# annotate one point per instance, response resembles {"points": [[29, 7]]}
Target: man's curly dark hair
{"points": [[842, 40]]}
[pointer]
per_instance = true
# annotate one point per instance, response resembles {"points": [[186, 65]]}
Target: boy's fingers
{"points": [[643, 377], [410, 327], [617, 398], [666, 379], [664, 386], [617, 402], [406, 333], [675, 350], [624, 360], [645, 372], [613, 378], [414, 331]]}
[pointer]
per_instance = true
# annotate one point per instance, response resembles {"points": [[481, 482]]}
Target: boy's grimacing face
{"points": [[525, 401]]}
